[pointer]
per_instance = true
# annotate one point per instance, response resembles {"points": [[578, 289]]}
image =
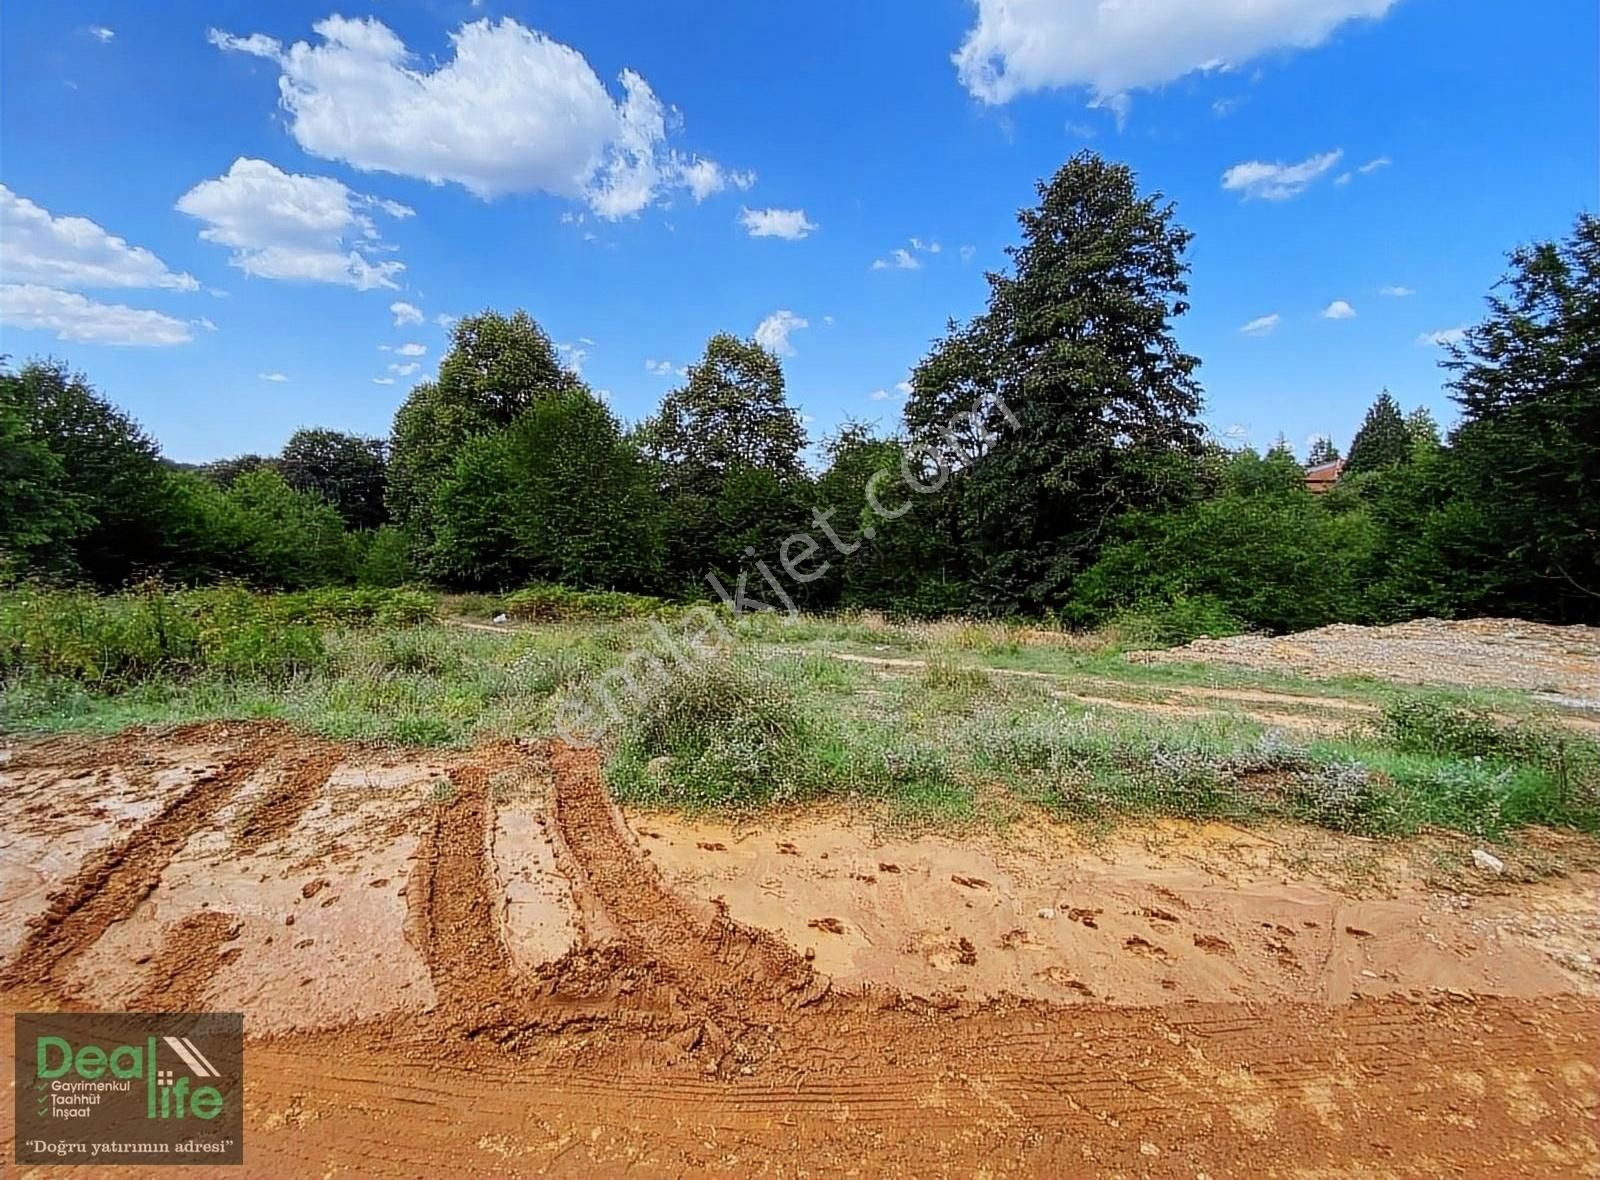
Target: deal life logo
{"points": [[130, 1087]]}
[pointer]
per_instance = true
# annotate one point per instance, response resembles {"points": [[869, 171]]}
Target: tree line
{"points": [[1100, 492]]}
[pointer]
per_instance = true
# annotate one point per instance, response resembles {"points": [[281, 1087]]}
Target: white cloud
{"points": [[661, 368], [1372, 166], [404, 370], [203, 322], [101, 33], [899, 259], [383, 380], [74, 252], [1278, 181], [509, 111], [573, 356], [772, 333], [72, 317], [1114, 48], [968, 253], [790, 224], [1396, 292], [1442, 338], [879, 395], [705, 178], [1262, 326], [405, 313], [412, 349], [1338, 310], [284, 225], [274, 377], [446, 320], [925, 247], [903, 387]]}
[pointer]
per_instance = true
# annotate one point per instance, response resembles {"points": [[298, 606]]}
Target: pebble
{"points": [[1488, 862]]}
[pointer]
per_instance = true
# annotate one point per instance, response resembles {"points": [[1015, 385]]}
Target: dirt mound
{"points": [[1560, 662], [474, 961]]}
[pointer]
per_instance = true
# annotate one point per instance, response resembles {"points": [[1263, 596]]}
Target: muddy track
{"points": [[110, 886], [673, 1040], [274, 815]]}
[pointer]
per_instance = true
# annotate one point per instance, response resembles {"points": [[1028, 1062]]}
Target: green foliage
{"points": [[346, 470], [559, 604], [1100, 402], [117, 640], [1263, 553], [285, 538], [383, 557], [1383, 440], [40, 516], [1174, 622], [116, 518], [715, 732]]}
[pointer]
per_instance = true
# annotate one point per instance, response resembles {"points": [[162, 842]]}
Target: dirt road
{"points": [[475, 966]]}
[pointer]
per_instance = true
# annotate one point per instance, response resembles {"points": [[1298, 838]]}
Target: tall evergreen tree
{"points": [[1322, 451], [1383, 440], [1528, 449], [1099, 402]]}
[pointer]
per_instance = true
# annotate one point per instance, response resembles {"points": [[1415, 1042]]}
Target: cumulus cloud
{"points": [[101, 33], [661, 368], [285, 225], [899, 259], [903, 259], [772, 333], [1112, 49], [1261, 326], [273, 377], [509, 111], [879, 395], [73, 317], [74, 252], [446, 320], [1278, 181], [1442, 338], [791, 224], [405, 313], [1338, 310], [705, 178], [412, 349], [404, 370]]}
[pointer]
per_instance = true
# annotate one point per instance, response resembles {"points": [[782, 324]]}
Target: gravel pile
{"points": [[1561, 664]]}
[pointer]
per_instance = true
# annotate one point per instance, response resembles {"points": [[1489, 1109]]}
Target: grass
{"points": [[777, 720]]}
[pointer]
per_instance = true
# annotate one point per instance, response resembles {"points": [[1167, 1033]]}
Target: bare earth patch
{"points": [[474, 957]]}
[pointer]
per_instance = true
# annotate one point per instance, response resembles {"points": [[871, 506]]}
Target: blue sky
{"points": [[239, 219]]}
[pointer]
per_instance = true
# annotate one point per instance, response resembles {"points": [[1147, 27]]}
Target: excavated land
{"points": [[472, 963]]}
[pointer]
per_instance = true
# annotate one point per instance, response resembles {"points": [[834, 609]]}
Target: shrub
{"points": [[559, 604], [712, 732], [1175, 622]]}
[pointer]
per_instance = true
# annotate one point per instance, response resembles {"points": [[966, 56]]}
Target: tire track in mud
{"points": [[191, 953], [714, 958], [281, 807], [112, 883]]}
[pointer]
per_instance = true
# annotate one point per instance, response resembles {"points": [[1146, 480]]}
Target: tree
{"points": [[1382, 441], [223, 472], [496, 368], [1322, 451], [726, 450], [1527, 452], [1076, 376], [40, 515], [288, 539], [346, 470], [729, 413], [112, 466], [557, 496]]}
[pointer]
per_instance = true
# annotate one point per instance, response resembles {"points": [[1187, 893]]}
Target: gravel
{"points": [[1559, 664]]}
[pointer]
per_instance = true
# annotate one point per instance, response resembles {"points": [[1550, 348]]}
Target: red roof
{"points": [[1324, 475]]}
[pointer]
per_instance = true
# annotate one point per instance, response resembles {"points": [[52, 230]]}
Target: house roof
{"points": [[1324, 475]]}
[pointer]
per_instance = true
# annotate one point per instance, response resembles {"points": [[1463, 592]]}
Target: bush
{"points": [[1175, 622], [559, 604], [714, 732], [121, 639]]}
